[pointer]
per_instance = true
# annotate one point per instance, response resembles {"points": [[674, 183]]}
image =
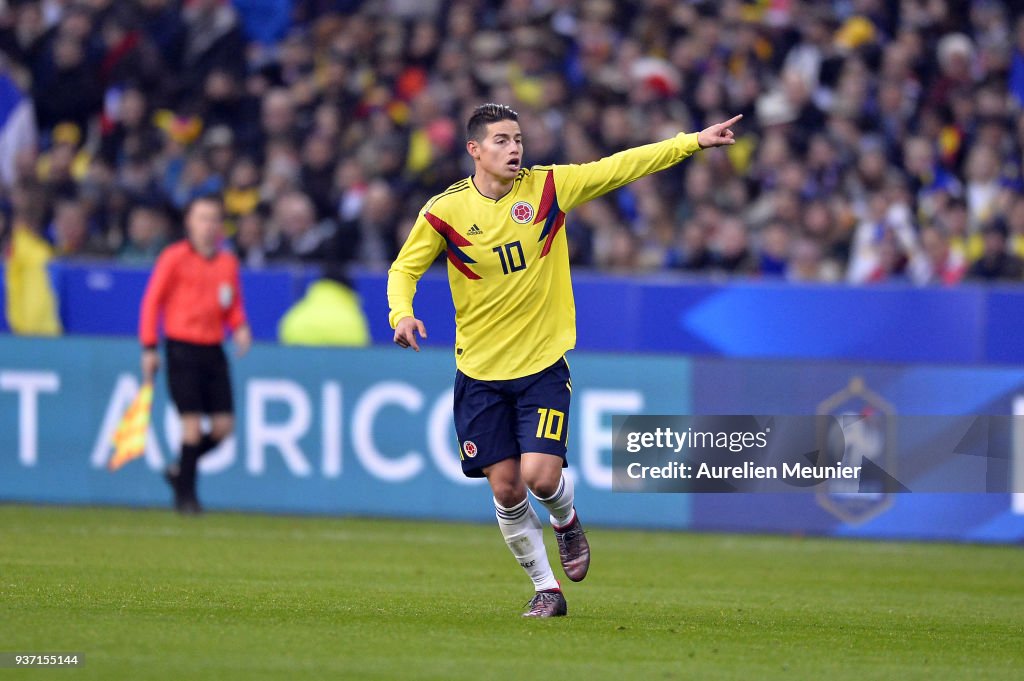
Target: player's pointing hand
{"points": [[405, 332], [718, 135]]}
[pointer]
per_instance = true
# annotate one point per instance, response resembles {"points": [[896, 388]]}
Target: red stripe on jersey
{"points": [[559, 221], [547, 198], [454, 240], [446, 230], [461, 266]]}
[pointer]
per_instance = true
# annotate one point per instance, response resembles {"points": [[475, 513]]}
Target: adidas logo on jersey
{"points": [[474, 231]]}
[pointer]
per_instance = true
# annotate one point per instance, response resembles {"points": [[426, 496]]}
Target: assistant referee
{"points": [[196, 292]]}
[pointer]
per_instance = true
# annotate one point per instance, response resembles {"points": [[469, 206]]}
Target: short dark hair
{"points": [[484, 115], [204, 198]]}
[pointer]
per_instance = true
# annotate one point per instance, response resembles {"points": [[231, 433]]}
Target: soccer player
{"points": [[508, 268], [196, 290]]}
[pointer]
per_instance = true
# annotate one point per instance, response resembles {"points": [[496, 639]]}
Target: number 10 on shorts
{"points": [[550, 424]]}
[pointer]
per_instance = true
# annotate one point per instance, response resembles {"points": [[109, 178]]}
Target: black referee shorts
{"points": [[198, 378]]}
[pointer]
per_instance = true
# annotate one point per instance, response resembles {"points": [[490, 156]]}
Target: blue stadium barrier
{"points": [[100, 299], [103, 299], [970, 324], [1003, 317]]}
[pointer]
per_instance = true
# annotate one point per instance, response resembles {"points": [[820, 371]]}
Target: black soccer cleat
{"points": [[547, 604], [573, 549], [189, 506], [184, 502]]}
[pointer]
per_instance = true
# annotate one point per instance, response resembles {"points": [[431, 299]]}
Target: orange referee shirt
{"points": [[196, 297]]}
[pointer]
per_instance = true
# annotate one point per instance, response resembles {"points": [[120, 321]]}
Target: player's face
{"points": [[203, 222], [500, 152]]}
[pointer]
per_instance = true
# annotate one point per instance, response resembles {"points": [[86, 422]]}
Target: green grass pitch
{"points": [[150, 595]]}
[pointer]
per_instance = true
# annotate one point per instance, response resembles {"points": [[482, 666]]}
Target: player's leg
{"points": [[524, 535], [485, 424], [543, 431], [214, 389], [218, 400], [191, 428], [545, 478], [519, 523], [184, 382], [191, 434], [221, 427], [543, 475], [194, 444]]}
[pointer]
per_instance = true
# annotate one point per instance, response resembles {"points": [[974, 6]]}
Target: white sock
{"points": [[560, 503], [524, 535]]}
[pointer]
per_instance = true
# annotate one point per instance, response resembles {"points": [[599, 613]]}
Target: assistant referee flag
{"points": [[130, 437]]}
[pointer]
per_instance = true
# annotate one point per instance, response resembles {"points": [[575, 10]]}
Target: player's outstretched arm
{"points": [[719, 134], [576, 184], [405, 332]]}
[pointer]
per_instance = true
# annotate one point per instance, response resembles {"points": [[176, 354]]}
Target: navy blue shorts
{"points": [[498, 420]]}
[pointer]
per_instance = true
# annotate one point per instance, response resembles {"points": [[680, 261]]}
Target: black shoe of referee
{"points": [[189, 506], [184, 502]]}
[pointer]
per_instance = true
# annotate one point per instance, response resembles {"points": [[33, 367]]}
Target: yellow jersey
{"points": [[508, 259]]}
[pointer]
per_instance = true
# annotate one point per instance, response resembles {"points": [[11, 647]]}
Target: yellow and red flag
{"points": [[130, 437]]}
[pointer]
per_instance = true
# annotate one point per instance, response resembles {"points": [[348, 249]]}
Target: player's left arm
{"points": [[576, 184], [241, 334], [420, 250]]}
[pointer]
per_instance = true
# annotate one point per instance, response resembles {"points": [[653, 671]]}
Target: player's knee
{"points": [[507, 493], [543, 485], [191, 430], [543, 481], [221, 429]]}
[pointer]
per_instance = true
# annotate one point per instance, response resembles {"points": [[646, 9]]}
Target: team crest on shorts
{"points": [[469, 447], [522, 212]]}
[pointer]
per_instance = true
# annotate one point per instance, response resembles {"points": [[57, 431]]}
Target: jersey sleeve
{"points": [[236, 312], [154, 298], [420, 249], [576, 184]]}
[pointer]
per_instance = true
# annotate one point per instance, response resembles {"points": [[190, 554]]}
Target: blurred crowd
{"points": [[881, 141]]}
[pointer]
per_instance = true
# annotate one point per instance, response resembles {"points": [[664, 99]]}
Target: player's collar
{"points": [[483, 197]]}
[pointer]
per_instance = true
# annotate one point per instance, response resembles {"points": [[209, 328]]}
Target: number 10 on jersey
{"points": [[511, 256]]}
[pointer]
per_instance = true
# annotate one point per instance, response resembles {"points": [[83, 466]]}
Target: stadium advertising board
{"points": [[369, 432], [366, 432]]}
